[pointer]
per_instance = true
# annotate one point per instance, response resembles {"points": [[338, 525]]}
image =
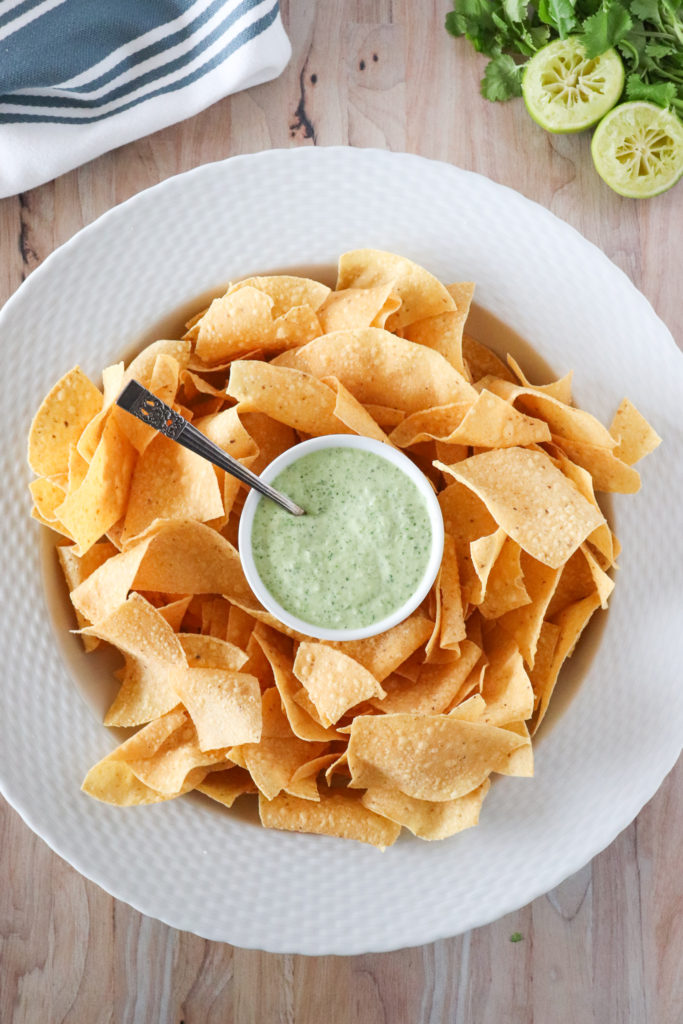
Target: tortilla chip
{"points": [[227, 431], [113, 782], [484, 552], [352, 414], [271, 438], [559, 389], [452, 612], [304, 782], [224, 705], [470, 710], [434, 757], [505, 588], [384, 416], [571, 623], [545, 652], [107, 587], [488, 422], [170, 482], [434, 691], [521, 761], [382, 654], [531, 500], [357, 308], [247, 318], [226, 785], [48, 494], [100, 501], [210, 652], [334, 681], [379, 368], [302, 724], [138, 628], [443, 332], [603, 584], [142, 367], [608, 472], [273, 762], [493, 423], [63, 415], [634, 435], [76, 570], [575, 582], [194, 388], [466, 519], [215, 613], [421, 293], [602, 538], [506, 687], [286, 291], [338, 813], [164, 755], [165, 377], [147, 691], [572, 423], [190, 558], [437, 423], [78, 468], [424, 818], [240, 627], [481, 362], [92, 434], [234, 323], [523, 624]]}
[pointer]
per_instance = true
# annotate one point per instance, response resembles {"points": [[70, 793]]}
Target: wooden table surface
{"points": [[605, 946]]}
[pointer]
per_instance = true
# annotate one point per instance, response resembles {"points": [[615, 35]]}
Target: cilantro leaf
{"points": [[502, 79], [646, 10], [657, 50], [516, 937], [605, 29], [663, 93], [455, 24], [559, 14], [474, 19], [515, 9]]}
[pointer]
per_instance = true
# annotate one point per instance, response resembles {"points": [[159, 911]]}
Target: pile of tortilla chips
{"points": [[351, 739]]}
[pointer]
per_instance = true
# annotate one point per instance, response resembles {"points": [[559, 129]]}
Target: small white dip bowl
{"points": [[364, 444]]}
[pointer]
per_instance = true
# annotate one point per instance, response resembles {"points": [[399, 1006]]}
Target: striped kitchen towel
{"points": [[80, 77]]}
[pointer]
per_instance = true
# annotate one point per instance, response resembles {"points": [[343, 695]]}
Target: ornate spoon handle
{"points": [[144, 405]]}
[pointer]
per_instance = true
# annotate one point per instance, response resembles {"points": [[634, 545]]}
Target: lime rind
{"points": [[637, 149], [566, 91]]}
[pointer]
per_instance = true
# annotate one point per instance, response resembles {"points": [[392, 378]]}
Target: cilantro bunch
{"points": [[647, 33]]}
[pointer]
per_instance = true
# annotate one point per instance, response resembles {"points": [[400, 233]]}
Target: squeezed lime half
{"points": [[637, 149], [566, 91]]}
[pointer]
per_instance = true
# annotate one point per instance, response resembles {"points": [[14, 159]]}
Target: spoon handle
{"points": [[145, 405]]}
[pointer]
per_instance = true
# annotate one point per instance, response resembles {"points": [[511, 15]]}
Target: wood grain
{"points": [[602, 948]]}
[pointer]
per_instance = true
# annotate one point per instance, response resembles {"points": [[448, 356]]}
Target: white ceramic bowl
{"points": [[617, 721], [363, 444]]}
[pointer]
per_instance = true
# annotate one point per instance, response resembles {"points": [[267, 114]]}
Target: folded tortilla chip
{"points": [[434, 757], [531, 500]]}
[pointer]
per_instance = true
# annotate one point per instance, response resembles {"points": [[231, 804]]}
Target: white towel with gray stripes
{"points": [[81, 77]]}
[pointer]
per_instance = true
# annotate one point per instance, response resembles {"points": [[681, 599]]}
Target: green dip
{"points": [[360, 551]]}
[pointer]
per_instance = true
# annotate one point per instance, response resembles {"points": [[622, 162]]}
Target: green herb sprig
{"points": [[647, 33]]}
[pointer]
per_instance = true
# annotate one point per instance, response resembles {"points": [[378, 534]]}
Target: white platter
{"points": [[605, 754]]}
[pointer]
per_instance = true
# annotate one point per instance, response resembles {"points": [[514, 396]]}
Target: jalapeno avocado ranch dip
{"points": [[360, 551]]}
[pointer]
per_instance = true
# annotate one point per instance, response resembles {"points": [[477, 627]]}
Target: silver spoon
{"points": [[145, 405]]}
